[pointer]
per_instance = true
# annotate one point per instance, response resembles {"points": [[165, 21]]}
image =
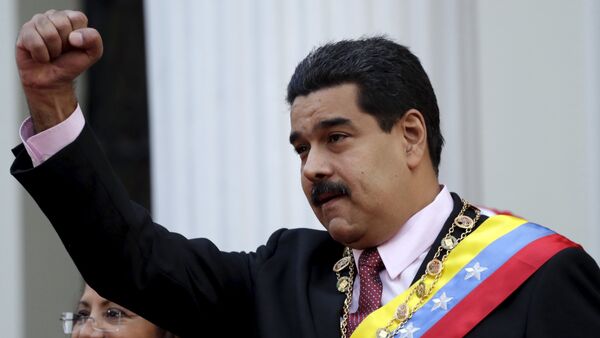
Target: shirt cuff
{"points": [[44, 145]]}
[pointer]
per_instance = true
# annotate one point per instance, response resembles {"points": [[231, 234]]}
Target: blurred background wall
{"points": [[517, 82]]}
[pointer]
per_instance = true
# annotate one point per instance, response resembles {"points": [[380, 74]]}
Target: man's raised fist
{"points": [[52, 49]]}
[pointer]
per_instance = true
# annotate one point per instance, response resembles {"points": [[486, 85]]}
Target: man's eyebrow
{"points": [[333, 122], [324, 124]]}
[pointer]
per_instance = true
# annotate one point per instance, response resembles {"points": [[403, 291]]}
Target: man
{"points": [[401, 256]]}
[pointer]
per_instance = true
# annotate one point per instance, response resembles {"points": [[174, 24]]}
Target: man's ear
{"points": [[414, 133]]}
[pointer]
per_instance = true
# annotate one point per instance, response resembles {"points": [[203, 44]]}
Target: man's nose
{"points": [[317, 165]]}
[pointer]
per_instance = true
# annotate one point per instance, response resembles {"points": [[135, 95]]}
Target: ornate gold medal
{"points": [[343, 284], [434, 267], [449, 242], [421, 288], [464, 221], [341, 264], [402, 312]]}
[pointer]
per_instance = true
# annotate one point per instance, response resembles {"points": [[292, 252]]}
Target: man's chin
{"points": [[345, 233]]}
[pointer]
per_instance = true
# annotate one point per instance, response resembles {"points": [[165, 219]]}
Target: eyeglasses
{"points": [[110, 321]]}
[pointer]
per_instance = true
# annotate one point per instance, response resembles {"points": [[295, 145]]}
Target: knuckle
{"points": [[41, 23], [83, 17], [29, 39], [78, 18], [38, 49], [36, 18], [57, 18], [52, 38]]}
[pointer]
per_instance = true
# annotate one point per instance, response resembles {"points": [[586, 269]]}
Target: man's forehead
{"points": [[323, 108]]}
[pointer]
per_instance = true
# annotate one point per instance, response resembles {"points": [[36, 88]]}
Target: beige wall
{"points": [[535, 140]]}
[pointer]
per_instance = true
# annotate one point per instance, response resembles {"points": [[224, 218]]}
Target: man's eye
{"points": [[333, 138], [301, 149]]}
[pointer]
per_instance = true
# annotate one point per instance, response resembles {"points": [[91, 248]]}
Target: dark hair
{"points": [[389, 77]]}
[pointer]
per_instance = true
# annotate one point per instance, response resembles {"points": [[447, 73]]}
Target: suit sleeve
{"points": [[566, 297], [185, 286]]}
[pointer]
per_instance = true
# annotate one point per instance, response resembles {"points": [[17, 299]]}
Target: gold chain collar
{"points": [[433, 270]]}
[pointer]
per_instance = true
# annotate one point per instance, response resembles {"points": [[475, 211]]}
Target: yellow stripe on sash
{"points": [[490, 230]]}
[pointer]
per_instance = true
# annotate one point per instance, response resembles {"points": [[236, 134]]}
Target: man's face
{"points": [[354, 175]]}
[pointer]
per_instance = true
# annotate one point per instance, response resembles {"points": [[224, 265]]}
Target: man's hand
{"points": [[51, 51]]}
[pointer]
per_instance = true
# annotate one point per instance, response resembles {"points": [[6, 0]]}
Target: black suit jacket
{"points": [[284, 289]]}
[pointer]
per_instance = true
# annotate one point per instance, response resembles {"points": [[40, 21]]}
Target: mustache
{"points": [[330, 189]]}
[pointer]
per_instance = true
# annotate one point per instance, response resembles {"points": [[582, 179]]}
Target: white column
{"points": [[218, 71], [444, 37], [11, 284]]}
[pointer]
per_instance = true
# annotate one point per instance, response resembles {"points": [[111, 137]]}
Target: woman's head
{"points": [[98, 317]]}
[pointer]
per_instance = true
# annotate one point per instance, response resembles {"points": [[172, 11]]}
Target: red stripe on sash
{"points": [[497, 287]]}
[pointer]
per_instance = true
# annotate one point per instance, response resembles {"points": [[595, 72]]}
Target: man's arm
{"points": [[188, 287], [185, 286]]}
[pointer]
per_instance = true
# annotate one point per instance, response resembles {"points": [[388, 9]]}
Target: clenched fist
{"points": [[52, 49]]}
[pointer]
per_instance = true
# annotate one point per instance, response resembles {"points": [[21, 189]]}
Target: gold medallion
{"points": [[341, 264], [382, 333], [343, 284], [464, 221], [402, 312], [420, 290], [434, 267], [449, 242]]}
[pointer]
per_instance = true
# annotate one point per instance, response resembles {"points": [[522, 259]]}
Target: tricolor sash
{"points": [[481, 272]]}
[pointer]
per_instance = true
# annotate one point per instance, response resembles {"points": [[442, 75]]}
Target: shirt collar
{"points": [[415, 237]]}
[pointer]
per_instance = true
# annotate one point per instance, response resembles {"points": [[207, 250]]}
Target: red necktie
{"points": [[369, 299]]}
